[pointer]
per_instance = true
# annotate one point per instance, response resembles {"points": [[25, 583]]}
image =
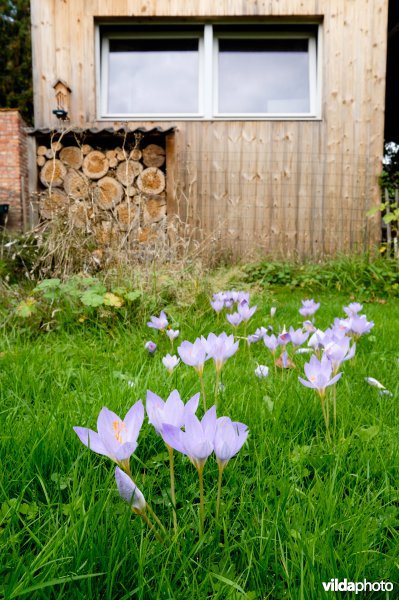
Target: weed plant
{"points": [[296, 510]]}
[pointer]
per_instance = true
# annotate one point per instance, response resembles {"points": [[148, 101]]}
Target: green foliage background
{"points": [[16, 57]]}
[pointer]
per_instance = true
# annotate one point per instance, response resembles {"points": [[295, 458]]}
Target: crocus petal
{"points": [[172, 436], [91, 439], [108, 426], [307, 383], [191, 405], [129, 491], [134, 420], [173, 412], [125, 451]]}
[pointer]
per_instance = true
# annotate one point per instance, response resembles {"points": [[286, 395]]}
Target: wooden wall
{"points": [[273, 187]]}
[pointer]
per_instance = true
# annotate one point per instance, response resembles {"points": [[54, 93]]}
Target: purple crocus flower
{"points": [[359, 325], [197, 441], [309, 307], [375, 383], [234, 319], [172, 334], [193, 355], [308, 325], [352, 309], [271, 342], [150, 346], [284, 338], [172, 412], [160, 322], [129, 491], [115, 438], [220, 348], [262, 371], [229, 438], [319, 373], [217, 304], [298, 336], [170, 362], [245, 311], [339, 351]]}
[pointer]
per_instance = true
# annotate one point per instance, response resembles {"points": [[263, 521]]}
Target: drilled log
{"points": [[153, 155], [41, 160], [53, 173], [72, 156], [49, 153], [76, 185], [95, 165], [108, 193], [127, 171], [151, 181]]}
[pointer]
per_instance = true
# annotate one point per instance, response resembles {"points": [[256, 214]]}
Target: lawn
{"points": [[296, 509]]}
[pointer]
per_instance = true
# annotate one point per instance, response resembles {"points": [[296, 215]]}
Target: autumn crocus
{"points": [[196, 442], [245, 311], [234, 319], [262, 371], [229, 438], [318, 373], [115, 438], [194, 355], [353, 308], [271, 342], [309, 307], [338, 352], [150, 346], [220, 348], [171, 412], [160, 322], [129, 492], [298, 336], [170, 362], [359, 325], [172, 334]]}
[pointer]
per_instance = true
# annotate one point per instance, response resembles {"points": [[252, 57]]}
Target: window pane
{"points": [[264, 76], [147, 76]]}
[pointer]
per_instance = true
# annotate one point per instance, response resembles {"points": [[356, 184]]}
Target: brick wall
{"points": [[13, 168]]}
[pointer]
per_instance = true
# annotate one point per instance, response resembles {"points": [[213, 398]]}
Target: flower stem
{"points": [[154, 516], [201, 377], [325, 415], [202, 504], [151, 526], [172, 486], [217, 380], [221, 468]]}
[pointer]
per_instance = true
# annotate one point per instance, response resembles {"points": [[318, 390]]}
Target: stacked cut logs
{"points": [[114, 194]]}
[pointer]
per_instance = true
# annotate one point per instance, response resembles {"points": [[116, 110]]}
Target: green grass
{"points": [[295, 511]]}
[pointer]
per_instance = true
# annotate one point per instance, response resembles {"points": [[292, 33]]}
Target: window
{"points": [[209, 72]]}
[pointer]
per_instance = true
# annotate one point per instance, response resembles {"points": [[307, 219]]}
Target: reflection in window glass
{"points": [[150, 76], [263, 76]]}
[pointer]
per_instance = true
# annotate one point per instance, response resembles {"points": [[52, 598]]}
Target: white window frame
{"points": [[208, 52]]}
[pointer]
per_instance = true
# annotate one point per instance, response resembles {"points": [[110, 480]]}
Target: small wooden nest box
{"points": [[62, 93]]}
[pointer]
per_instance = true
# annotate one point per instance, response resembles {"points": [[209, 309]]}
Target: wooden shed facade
{"points": [[288, 180]]}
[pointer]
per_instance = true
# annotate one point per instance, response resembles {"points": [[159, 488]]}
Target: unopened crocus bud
{"points": [[150, 346], [129, 491], [262, 371]]}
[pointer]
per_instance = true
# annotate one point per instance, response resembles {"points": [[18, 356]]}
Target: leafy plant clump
{"points": [[365, 277], [77, 299]]}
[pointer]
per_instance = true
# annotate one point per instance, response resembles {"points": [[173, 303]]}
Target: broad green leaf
{"points": [[90, 298], [48, 284], [132, 296], [368, 433], [26, 308]]}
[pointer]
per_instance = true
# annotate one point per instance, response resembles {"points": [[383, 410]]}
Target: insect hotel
{"points": [[257, 124]]}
